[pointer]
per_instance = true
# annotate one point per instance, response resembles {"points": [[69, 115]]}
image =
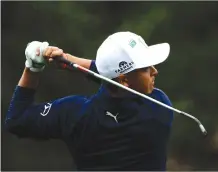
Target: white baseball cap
{"points": [[123, 52]]}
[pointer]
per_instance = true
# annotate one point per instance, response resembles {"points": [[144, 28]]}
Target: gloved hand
{"points": [[34, 56]]}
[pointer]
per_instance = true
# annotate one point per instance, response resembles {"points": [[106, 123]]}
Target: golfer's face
{"points": [[143, 80]]}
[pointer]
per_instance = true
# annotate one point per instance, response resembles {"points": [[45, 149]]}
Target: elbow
{"points": [[9, 125], [12, 127]]}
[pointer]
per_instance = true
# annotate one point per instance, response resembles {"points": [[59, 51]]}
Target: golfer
{"points": [[111, 130]]}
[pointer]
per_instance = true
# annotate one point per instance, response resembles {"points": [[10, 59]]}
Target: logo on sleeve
{"points": [[47, 108]]}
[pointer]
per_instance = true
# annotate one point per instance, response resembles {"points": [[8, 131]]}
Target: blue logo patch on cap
{"points": [[132, 43]]}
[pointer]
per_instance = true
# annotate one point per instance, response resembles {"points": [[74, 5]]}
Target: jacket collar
{"points": [[105, 97]]}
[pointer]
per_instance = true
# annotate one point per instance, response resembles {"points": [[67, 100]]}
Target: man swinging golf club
{"points": [[112, 130]]}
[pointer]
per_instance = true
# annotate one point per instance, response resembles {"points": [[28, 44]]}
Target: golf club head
{"points": [[203, 130]]}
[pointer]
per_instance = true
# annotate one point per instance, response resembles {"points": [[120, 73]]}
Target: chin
{"points": [[150, 90]]}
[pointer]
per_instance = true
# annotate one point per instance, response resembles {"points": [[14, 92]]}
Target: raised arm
{"points": [[86, 63], [51, 119], [30, 79]]}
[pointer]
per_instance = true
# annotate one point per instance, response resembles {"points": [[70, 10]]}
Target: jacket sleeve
{"points": [[94, 69], [54, 119]]}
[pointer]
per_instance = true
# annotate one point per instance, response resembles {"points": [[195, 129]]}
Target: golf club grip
{"points": [[70, 65], [61, 59]]}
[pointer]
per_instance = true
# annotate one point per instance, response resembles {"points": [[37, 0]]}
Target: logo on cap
{"points": [[124, 66], [132, 43]]}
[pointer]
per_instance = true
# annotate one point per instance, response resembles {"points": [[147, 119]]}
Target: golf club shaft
{"points": [[70, 64]]}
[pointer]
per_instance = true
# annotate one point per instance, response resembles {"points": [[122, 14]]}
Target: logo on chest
{"points": [[112, 115]]}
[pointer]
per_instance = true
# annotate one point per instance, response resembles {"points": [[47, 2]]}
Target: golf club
{"points": [[73, 65]]}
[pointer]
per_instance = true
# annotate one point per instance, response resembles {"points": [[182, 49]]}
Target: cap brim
{"points": [[154, 55]]}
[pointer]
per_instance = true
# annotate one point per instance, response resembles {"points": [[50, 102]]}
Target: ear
{"points": [[122, 79]]}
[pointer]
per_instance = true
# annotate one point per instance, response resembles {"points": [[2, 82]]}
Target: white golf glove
{"points": [[34, 59]]}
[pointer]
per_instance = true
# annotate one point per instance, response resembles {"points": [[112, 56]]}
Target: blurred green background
{"points": [[189, 76]]}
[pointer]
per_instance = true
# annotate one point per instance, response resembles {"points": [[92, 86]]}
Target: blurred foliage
{"points": [[188, 76]]}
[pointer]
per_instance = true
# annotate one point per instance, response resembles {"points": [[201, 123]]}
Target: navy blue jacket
{"points": [[102, 132]]}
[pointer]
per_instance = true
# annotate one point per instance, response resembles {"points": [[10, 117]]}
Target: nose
{"points": [[154, 71]]}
